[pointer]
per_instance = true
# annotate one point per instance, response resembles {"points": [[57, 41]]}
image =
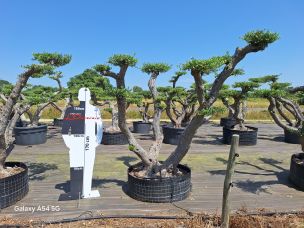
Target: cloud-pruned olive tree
{"points": [[181, 103], [283, 106], [222, 66], [143, 103], [47, 63], [237, 110]]}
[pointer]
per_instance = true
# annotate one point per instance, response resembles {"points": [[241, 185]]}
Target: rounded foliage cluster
{"points": [[155, 68], [206, 66], [54, 59], [260, 38], [122, 60]]}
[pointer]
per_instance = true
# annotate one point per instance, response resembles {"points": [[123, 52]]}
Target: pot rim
{"points": [[19, 164], [255, 129], [184, 167], [33, 127]]}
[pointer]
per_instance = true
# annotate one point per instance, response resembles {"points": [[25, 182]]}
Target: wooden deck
{"points": [[261, 179]]}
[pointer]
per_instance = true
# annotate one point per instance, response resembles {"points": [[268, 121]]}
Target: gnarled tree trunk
{"points": [[6, 111]]}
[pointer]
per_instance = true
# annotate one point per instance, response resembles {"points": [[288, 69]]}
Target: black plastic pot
{"points": [[296, 174], [247, 138], [114, 138], [160, 190], [19, 123], [227, 122], [171, 134], [58, 122], [13, 188], [292, 137], [141, 127], [30, 135]]}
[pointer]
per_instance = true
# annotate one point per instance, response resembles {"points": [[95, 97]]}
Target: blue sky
{"points": [[170, 31]]}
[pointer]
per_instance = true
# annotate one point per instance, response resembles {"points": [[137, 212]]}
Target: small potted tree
{"points": [[143, 103], [248, 135], [225, 97], [181, 105], [13, 175], [283, 106], [38, 97], [112, 135], [152, 180]]}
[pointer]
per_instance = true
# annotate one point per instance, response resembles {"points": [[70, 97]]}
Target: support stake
{"points": [[227, 183]]}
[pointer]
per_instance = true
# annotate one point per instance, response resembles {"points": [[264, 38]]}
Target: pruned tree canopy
{"points": [[155, 68]]}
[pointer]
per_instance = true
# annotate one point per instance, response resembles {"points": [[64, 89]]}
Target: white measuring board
{"points": [[82, 133]]}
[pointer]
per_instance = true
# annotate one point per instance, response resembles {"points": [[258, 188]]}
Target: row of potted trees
{"points": [[153, 180]]}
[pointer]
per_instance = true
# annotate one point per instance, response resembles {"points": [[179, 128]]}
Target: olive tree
{"points": [[283, 108], [39, 97], [181, 103], [47, 63], [237, 110], [143, 102], [222, 66]]}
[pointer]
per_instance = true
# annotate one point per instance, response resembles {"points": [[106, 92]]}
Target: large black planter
{"points": [[171, 134], [247, 138], [13, 188], [30, 135], [292, 137], [141, 127], [227, 122], [160, 190], [296, 175], [114, 138], [58, 122]]}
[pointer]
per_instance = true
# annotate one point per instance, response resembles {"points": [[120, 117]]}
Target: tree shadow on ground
{"points": [[208, 139], [127, 160], [96, 183], [279, 173], [279, 138], [37, 170]]}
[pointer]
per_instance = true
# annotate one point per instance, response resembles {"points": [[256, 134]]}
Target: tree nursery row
{"points": [[186, 108]]}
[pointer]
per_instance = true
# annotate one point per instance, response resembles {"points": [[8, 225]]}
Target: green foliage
{"points": [[137, 89], [102, 68], [177, 75], [260, 38], [246, 86], [122, 60], [236, 72], [39, 71], [155, 68], [267, 93], [206, 66], [131, 147], [280, 86], [3, 82], [108, 110], [118, 93], [300, 96], [56, 75], [265, 79], [6, 89], [134, 98], [53, 59], [38, 94], [98, 85], [47, 63], [211, 111]]}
